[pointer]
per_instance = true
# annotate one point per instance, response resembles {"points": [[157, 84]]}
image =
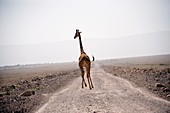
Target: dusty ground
{"points": [[111, 94], [43, 79], [145, 72], [145, 76], [121, 86]]}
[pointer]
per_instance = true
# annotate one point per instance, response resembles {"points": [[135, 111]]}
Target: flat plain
{"points": [[142, 81]]}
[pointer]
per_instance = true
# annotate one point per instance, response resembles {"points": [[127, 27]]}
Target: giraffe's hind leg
{"points": [[88, 66], [82, 75]]}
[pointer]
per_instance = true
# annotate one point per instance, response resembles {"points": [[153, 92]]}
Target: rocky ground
{"points": [[155, 78], [24, 89], [26, 94]]}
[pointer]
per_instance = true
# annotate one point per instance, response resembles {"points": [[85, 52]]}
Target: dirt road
{"points": [[110, 95]]}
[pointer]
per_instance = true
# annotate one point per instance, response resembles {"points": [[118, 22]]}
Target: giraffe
{"points": [[84, 61]]}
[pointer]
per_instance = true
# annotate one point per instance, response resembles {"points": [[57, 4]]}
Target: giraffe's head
{"points": [[77, 34]]}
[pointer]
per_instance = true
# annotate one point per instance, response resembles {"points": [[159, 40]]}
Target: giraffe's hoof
{"points": [[85, 85]]}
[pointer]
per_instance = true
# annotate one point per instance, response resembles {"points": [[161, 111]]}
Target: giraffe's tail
{"points": [[93, 58]]}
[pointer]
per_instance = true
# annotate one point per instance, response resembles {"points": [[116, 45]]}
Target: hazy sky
{"points": [[41, 21], [25, 22]]}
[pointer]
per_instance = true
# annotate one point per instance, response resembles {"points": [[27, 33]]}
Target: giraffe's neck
{"points": [[81, 45]]}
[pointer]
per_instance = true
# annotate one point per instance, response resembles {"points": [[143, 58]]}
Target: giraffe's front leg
{"points": [[83, 81], [91, 83], [88, 78]]}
